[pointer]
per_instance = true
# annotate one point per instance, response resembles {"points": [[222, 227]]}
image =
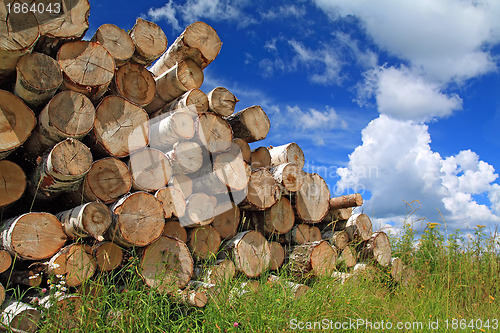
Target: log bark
{"points": [[221, 101], [396, 269], [33, 236], [313, 259], [172, 201], [250, 124], [183, 183], [18, 34], [288, 153], [263, 191], [214, 133], [175, 82], [38, 77], [210, 290], [166, 264], [241, 148], [185, 157], [116, 41], [20, 317], [194, 298], [170, 128], [135, 83], [69, 25], [359, 228], [88, 68], [346, 201], [203, 242], [24, 277], [260, 158], [193, 102], [296, 289], [198, 42], [149, 40], [347, 258], [17, 121], [174, 229], [67, 115], [305, 233], [244, 288], [250, 252], [107, 255], [150, 169], [74, 263], [137, 220], [312, 200], [62, 170], [12, 182], [377, 249], [278, 219], [277, 256], [107, 180], [232, 171], [88, 220], [227, 220], [289, 175], [200, 210], [120, 127], [5, 261]]}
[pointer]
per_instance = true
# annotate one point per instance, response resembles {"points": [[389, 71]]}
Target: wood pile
{"points": [[102, 154]]}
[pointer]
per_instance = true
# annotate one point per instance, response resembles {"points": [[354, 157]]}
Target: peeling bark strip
{"points": [[137, 220], [62, 170], [38, 77], [90, 219], [346, 201], [88, 68], [12, 182], [250, 124], [18, 34], [33, 236], [250, 252], [289, 153], [17, 121], [135, 83], [181, 78], [67, 115], [149, 40], [316, 258], [166, 265], [120, 127], [116, 41], [70, 25], [198, 42]]}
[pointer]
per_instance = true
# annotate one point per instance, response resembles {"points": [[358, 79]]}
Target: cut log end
{"points": [[149, 40], [13, 180]]}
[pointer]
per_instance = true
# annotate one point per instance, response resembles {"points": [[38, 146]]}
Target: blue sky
{"points": [[398, 100]]}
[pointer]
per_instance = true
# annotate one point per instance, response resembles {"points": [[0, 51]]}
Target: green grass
{"points": [[456, 282]]}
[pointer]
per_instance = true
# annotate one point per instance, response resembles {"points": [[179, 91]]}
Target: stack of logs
{"points": [[103, 151]]}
